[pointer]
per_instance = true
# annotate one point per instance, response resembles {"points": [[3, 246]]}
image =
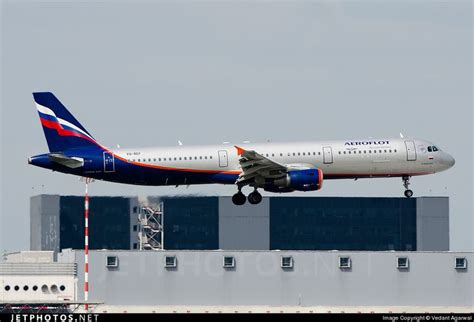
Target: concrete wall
{"points": [[244, 227], [44, 222], [258, 279], [432, 223]]}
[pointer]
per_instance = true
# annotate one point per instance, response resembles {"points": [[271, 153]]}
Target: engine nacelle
{"points": [[300, 180]]}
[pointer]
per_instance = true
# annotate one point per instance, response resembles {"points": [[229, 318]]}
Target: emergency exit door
{"points": [[223, 159], [109, 162], [411, 150], [327, 154]]}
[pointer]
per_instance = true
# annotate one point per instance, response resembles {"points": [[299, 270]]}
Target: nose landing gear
{"points": [[406, 183]]}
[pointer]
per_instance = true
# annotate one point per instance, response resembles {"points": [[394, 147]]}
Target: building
{"points": [[57, 222], [210, 223], [35, 276], [257, 281]]}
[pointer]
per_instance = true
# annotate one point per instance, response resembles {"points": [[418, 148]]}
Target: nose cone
{"points": [[447, 160]]}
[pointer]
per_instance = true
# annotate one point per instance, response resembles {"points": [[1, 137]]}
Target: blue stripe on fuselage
{"points": [[130, 173]]}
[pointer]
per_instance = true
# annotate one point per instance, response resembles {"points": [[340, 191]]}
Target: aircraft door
{"points": [[223, 159], [109, 162], [411, 150], [327, 155]]}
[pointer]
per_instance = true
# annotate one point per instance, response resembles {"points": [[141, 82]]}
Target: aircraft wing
{"points": [[257, 167]]}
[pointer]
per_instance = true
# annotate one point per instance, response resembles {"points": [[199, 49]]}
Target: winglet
{"points": [[240, 151]]}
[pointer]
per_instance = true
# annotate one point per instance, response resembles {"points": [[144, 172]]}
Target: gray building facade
{"points": [[278, 223], [257, 278]]}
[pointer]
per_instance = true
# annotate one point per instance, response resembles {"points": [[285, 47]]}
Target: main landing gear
{"points": [[239, 198], [406, 183]]}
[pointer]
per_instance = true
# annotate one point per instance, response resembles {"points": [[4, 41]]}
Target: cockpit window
{"points": [[435, 149], [430, 149]]}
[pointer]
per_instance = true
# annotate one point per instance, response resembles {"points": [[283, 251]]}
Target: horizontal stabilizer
{"points": [[70, 162]]}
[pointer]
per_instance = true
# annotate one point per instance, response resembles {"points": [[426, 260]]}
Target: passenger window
{"points": [[281, 154], [344, 152], [205, 157], [210, 157], [200, 158]]}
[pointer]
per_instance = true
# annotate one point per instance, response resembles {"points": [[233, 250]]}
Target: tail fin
{"points": [[62, 130]]}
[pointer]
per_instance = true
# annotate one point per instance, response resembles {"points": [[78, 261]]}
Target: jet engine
{"points": [[299, 180]]}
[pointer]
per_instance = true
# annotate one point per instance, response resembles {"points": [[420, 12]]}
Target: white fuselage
{"points": [[337, 159]]}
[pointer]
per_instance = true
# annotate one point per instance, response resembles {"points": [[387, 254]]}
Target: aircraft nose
{"points": [[448, 160]]}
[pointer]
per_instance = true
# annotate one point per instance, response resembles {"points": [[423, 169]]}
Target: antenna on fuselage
{"points": [[180, 143], [401, 135]]}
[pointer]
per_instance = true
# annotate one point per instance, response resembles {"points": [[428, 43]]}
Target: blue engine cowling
{"points": [[299, 180]]}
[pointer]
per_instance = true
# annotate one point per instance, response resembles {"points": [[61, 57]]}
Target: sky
{"points": [[150, 73]]}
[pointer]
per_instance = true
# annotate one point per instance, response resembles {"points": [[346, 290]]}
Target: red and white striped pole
{"points": [[86, 245]]}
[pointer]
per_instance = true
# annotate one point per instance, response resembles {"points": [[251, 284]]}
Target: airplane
{"points": [[273, 167]]}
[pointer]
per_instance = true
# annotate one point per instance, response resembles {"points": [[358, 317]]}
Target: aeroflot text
{"points": [[367, 143]]}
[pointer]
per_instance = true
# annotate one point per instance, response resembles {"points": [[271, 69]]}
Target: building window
{"points": [[229, 262], [135, 246], [344, 262], [135, 227], [402, 262], [286, 262], [111, 261], [461, 263], [170, 262]]}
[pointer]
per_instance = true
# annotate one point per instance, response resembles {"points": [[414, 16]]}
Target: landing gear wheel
{"points": [[239, 198], [255, 197], [406, 183]]}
